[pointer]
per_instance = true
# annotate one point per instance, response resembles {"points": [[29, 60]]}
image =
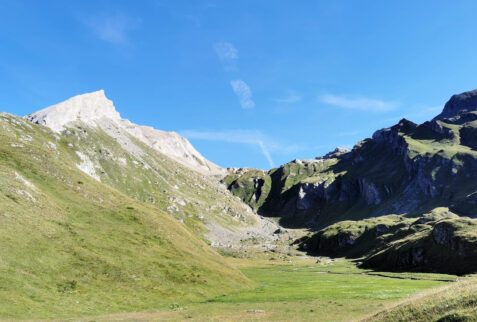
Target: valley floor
{"points": [[300, 290]]}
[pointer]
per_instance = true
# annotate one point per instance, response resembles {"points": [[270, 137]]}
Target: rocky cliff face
{"points": [[407, 168], [394, 200], [88, 108], [439, 241], [96, 110], [445, 246]]}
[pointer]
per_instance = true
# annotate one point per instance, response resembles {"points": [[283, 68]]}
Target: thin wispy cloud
{"points": [[290, 98], [243, 92], [266, 153], [249, 137], [112, 28], [227, 53], [361, 103], [256, 138]]}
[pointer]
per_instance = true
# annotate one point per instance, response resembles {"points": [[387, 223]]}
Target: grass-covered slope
{"points": [[436, 242], [290, 191], [73, 246], [123, 162], [453, 302]]}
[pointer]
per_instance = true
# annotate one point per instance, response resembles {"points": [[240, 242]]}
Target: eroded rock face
{"points": [[422, 180], [330, 245], [346, 239], [96, 110], [419, 178], [417, 255], [406, 168], [438, 128], [370, 192], [442, 233], [303, 201], [309, 193], [463, 118], [258, 184], [391, 139], [411, 258], [468, 136], [87, 108]]}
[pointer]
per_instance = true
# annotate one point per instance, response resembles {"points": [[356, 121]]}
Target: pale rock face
{"points": [[87, 166], [87, 108], [96, 110]]}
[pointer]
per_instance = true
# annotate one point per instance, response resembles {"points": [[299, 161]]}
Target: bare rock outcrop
{"points": [[96, 110]]}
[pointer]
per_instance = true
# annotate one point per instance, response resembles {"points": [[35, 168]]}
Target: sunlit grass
{"points": [[301, 291]]}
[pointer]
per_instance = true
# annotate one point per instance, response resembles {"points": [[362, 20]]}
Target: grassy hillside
{"points": [[453, 302], [275, 193], [433, 242], [123, 162], [72, 246]]}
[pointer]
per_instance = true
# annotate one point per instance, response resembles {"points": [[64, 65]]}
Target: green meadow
{"points": [[304, 290]]}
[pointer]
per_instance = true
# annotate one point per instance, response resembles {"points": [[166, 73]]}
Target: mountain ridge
{"points": [[155, 167], [463, 102], [408, 170], [96, 110]]}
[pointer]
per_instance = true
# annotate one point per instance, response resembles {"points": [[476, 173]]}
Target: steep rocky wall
{"points": [[407, 168]]}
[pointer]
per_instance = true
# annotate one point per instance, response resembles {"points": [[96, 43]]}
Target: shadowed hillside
{"points": [[408, 170]]}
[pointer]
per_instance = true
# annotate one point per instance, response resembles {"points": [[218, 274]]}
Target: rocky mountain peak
{"points": [[464, 102], [405, 125], [96, 110], [87, 108]]}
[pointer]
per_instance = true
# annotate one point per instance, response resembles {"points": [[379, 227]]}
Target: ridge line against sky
{"points": [[250, 83]]}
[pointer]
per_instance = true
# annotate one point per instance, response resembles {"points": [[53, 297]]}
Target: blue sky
{"points": [[250, 83]]}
